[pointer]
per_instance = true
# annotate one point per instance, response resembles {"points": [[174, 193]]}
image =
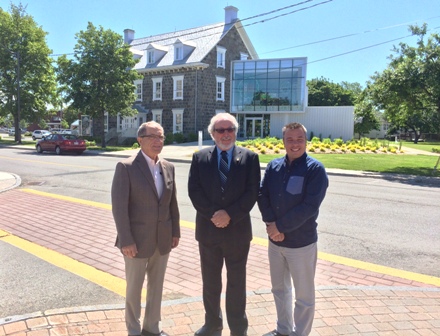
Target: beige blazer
{"points": [[140, 216]]}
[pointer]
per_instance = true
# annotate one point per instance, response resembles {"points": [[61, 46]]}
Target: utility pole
{"points": [[18, 129]]}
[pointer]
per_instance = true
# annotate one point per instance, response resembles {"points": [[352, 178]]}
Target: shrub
{"points": [[327, 141], [263, 151], [191, 137], [276, 150], [169, 139], [339, 142], [315, 140], [179, 137], [135, 145]]}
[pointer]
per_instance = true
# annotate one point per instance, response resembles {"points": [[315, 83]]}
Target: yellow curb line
{"points": [[106, 280], [426, 279]]}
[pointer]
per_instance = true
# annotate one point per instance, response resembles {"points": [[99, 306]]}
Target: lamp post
{"points": [[18, 135], [18, 129]]}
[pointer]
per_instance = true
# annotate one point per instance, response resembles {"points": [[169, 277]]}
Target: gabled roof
{"points": [[203, 39]]}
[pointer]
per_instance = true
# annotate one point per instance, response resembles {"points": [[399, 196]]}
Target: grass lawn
{"points": [[425, 146], [422, 165]]}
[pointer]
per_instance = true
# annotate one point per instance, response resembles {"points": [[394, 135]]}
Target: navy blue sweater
{"points": [[290, 195]]}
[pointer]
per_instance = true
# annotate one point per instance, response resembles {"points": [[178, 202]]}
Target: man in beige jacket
{"points": [[147, 221]]}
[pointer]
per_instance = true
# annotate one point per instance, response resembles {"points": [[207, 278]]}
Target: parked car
{"points": [[66, 131], [11, 131], [60, 143], [39, 134]]}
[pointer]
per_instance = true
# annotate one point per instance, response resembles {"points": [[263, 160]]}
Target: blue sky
{"points": [[368, 22]]}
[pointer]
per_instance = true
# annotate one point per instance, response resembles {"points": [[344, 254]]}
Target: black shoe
{"points": [[208, 330], [274, 333], [147, 333], [244, 333]]}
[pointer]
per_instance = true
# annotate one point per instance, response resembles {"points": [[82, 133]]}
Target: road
{"points": [[385, 222]]}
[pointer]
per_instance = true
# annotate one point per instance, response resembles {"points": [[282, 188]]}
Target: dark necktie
{"points": [[224, 168]]}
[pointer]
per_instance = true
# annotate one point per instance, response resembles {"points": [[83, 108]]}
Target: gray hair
{"points": [[142, 130], [219, 117]]}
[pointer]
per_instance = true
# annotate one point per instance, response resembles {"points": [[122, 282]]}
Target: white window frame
{"points": [[221, 57], [150, 57], [178, 87], [178, 52], [157, 115], [138, 89], [177, 120], [243, 56], [220, 88], [157, 88]]}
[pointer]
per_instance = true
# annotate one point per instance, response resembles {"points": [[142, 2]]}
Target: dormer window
{"points": [[178, 53], [150, 57], [221, 57]]}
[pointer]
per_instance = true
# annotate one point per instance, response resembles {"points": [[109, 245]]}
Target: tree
{"points": [[27, 77], [100, 78], [409, 89], [366, 114], [323, 92]]}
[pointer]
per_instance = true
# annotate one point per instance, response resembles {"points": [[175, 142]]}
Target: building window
{"points": [[221, 57], [220, 92], [150, 57], [177, 87], [243, 56], [178, 53], [157, 88], [138, 90], [157, 116], [177, 120]]}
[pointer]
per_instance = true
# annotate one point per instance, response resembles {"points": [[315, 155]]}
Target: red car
{"points": [[60, 143]]}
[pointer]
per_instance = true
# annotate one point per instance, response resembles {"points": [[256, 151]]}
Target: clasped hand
{"points": [[273, 232], [220, 219]]}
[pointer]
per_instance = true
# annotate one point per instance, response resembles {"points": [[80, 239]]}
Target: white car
{"points": [[39, 134]]}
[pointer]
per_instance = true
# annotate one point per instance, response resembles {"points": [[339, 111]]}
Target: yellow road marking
{"points": [[47, 163], [106, 280], [427, 279]]}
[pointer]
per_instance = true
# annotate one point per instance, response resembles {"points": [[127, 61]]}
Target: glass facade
{"points": [[268, 85]]}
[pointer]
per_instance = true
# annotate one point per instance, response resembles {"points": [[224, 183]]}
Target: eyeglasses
{"points": [[223, 130], [154, 137]]}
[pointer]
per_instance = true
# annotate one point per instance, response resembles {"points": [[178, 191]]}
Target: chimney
{"points": [[230, 14], [128, 35]]}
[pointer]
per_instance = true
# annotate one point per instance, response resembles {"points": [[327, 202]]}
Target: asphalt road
{"points": [[385, 222], [29, 284]]}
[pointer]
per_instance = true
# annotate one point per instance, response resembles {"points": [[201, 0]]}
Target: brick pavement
{"points": [[350, 300]]}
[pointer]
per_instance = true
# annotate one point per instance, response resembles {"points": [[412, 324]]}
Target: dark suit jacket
{"points": [[140, 216], [238, 198]]}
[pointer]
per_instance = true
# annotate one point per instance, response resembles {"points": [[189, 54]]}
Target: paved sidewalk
{"points": [[352, 299]]}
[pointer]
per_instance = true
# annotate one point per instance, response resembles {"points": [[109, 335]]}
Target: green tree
{"points": [[27, 77], [100, 78], [409, 89], [367, 117], [323, 92]]}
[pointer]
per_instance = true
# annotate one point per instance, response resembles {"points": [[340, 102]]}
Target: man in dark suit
{"points": [[223, 187], [146, 214]]}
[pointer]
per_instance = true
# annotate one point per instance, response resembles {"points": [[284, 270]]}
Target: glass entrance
{"points": [[254, 127]]}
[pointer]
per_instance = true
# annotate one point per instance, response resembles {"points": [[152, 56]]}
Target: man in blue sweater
{"points": [[291, 192]]}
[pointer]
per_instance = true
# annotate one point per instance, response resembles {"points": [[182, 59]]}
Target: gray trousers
{"points": [[135, 269], [299, 265]]}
